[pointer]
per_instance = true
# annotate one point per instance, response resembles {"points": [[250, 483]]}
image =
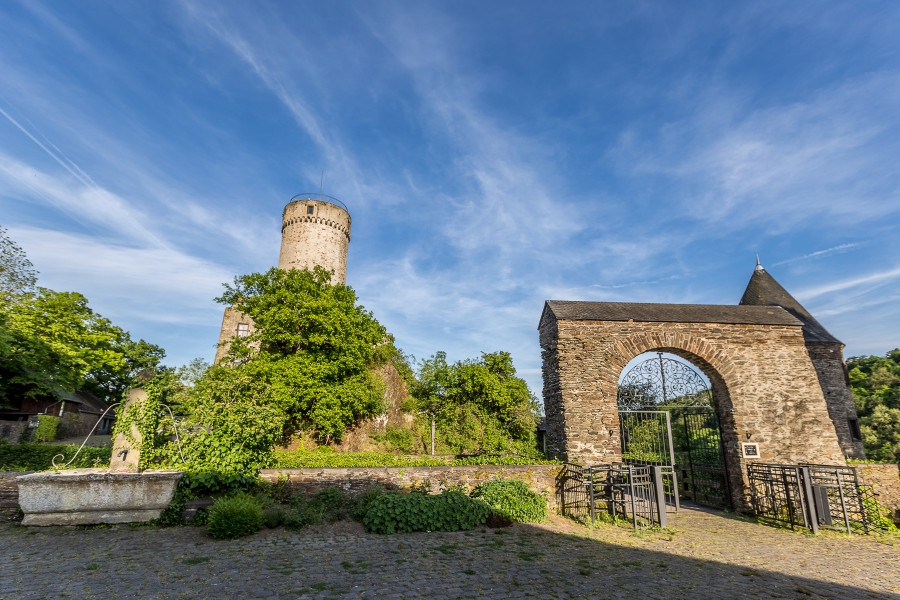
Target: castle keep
{"points": [[315, 231]]}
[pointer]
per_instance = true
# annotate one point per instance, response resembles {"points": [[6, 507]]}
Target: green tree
{"points": [[17, 274], [479, 406], [53, 341], [313, 345], [109, 381], [875, 382]]}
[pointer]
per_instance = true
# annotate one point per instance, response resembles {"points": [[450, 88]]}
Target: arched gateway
{"points": [[764, 362]]}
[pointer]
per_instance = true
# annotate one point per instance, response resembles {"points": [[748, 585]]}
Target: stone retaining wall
{"points": [[885, 480], [9, 493], [12, 431], [540, 478]]}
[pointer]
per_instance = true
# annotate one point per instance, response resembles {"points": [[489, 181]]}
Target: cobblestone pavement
{"points": [[704, 555]]}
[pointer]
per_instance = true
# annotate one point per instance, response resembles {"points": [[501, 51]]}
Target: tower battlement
{"points": [[315, 230]]}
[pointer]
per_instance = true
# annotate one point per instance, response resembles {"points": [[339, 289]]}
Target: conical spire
{"points": [[763, 290]]}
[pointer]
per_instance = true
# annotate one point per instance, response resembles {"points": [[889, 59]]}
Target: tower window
{"points": [[243, 329], [310, 209], [854, 429]]}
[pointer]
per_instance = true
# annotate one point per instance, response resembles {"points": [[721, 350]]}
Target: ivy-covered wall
{"points": [[540, 478]]}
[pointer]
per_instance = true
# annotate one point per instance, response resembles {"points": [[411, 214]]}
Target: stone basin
{"points": [[91, 496]]}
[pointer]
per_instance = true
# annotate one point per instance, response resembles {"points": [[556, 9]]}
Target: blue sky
{"points": [[493, 155]]}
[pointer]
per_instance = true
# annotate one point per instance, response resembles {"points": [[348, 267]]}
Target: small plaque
{"points": [[750, 450]]}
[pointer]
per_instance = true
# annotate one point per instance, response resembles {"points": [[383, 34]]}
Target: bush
{"points": [[46, 429], [203, 484], [274, 516], [396, 439], [404, 513], [364, 501], [235, 516], [301, 512], [512, 499], [335, 504]]}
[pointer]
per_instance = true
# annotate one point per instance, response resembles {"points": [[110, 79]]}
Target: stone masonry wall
{"points": [[230, 320], [828, 360], [540, 478], [885, 481], [764, 384], [9, 493], [12, 431], [320, 238]]}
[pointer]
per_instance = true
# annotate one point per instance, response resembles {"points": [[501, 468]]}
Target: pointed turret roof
{"points": [[763, 290]]}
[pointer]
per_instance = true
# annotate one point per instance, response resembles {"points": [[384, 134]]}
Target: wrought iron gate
{"points": [[667, 419]]}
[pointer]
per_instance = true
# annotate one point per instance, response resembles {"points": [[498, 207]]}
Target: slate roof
{"points": [[763, 290], [668, 313]]}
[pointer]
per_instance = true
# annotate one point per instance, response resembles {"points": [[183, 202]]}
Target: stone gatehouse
{"points": [[778, 378]]}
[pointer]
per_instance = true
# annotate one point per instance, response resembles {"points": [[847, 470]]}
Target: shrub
{"points": [[39, 457], [202, 484], [273, 516], [404, 513], [362, 502], [235, 516], [396, 439], [301, 512], [335, 504], [46, 429], [512, 499]]}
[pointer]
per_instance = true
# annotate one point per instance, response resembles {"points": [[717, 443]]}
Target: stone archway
{"points": [[685, 431], [764, 384]]}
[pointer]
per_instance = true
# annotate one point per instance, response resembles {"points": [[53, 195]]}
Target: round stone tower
{"points": [[315, 230]]}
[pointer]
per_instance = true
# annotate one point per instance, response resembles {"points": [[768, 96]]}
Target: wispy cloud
{"points": [[787, 165], [157, 284], [86, 202], [873, 279], [819, 253]]}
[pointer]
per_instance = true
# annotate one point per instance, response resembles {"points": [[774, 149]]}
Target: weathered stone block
{"points": [[88, 496]]}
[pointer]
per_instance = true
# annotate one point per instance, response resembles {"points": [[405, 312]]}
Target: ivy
{"points": [[405, 513], [297, 459], [46, 429]]}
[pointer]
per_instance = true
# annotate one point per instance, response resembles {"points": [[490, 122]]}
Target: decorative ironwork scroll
{"points": [[662, 382]]}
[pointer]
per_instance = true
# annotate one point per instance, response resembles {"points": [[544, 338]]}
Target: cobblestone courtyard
{"points": [[705, 555]]}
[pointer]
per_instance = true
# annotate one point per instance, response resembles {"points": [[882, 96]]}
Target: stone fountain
{"points": [[120, 494]]}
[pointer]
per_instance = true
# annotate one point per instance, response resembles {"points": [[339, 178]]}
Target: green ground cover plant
{"points": [[512, 499], [297, 459], [405, 513]]}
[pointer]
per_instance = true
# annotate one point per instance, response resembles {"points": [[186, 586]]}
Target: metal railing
{"points": [[619, 490], [810, 496], [320, 198]]}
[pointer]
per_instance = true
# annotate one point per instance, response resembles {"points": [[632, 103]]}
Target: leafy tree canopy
{"points": [[480, 406], [17, 274], [875, 381], [312, 345], [53, 340]]}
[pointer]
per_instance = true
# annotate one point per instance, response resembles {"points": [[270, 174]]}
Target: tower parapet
{"points": [[315, 230]]}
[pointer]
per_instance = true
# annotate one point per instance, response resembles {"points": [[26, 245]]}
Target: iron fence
{"points": [[812, 496], [619, 490]]}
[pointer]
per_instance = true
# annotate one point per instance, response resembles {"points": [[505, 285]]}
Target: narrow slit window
{"points": [[854, 429]]}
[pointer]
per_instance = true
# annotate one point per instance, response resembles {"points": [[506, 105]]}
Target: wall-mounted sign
{"points": [[750, 450]]}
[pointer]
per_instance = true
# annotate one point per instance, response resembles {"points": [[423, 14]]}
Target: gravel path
{"points": [[705, 554]]}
